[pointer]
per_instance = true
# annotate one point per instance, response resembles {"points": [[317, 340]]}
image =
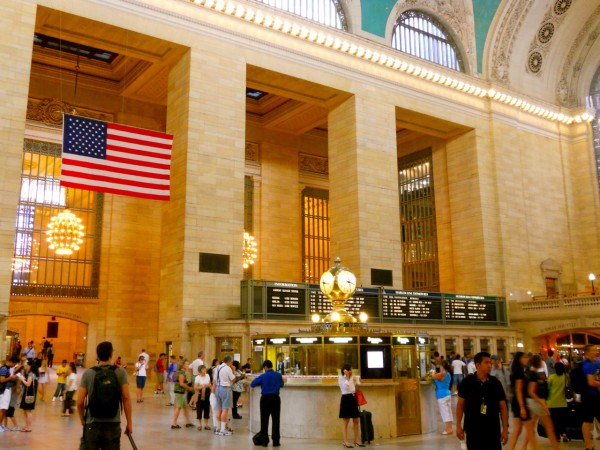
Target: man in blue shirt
{"points": [[270, 404], [590, 400]]}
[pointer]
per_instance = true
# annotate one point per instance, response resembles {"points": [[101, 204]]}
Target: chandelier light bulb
{"points": [[250, 253], [65, 233]]}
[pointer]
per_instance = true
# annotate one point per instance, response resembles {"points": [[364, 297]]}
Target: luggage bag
{"points": [[367, 433]]}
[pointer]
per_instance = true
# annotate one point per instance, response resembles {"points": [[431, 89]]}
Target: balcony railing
{"points": [[554, 308]]}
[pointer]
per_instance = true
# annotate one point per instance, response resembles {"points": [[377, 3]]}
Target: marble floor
{"points": [[152, 420]]}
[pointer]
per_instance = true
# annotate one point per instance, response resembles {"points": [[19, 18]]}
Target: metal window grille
{"points": [[36, 269], [326, 12], [418, 34], [417, 219], [315, 234]]}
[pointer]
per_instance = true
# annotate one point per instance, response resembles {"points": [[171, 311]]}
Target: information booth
{"points": [[388, 370]]}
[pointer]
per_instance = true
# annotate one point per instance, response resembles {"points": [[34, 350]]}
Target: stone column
{"points": [[206, 113], [17, 20], [363, 180]]}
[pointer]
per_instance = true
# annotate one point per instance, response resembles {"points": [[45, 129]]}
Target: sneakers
{"points": [[61, 399], [14, 429], [224, 433], [3, 429], [53, 399]]}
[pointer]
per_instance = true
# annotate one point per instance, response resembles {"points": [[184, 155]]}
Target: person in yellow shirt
{"points": [[61, 373]]}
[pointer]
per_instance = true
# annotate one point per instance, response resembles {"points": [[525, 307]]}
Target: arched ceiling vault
{"points": [[549, 50]]}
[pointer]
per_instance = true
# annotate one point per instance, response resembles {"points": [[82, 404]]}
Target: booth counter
{"points": [[310, 408]]}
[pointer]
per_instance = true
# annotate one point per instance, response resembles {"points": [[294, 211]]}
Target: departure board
{"points": [[286, 298], [411, 305], [364, 300], [470, 307]]}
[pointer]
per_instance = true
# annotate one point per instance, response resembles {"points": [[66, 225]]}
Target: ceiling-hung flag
{"points": [[118, 159]]}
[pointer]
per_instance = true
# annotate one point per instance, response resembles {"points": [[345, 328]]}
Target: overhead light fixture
{"points": [[65, 233], [249, 253]]}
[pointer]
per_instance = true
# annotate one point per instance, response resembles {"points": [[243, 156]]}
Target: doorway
{"points": [[67, 337]]}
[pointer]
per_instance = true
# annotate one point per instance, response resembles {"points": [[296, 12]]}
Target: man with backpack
{"points": [[590, 397], [103, 394]]}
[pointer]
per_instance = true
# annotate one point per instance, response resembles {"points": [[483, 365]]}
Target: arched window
{"points": [[418, 34], [595, 99], [326, 12]]}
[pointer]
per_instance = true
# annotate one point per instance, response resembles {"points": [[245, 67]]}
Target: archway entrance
{"points": [[67, 336]]}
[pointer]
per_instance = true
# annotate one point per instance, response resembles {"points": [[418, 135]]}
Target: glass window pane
{"points": [[420, 35]]}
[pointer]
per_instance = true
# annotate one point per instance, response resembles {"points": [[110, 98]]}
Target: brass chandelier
{"points": [[250, 253], [65, 233]]}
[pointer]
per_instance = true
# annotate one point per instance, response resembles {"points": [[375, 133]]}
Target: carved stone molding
{"points": [[50, 111], [566, 90], [252, 151], [458, 15], [312, 163], [503, 44], [540, 45]]}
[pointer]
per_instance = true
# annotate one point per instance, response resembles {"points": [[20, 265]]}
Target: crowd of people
{"points": [[530, 387], [552, 391]]}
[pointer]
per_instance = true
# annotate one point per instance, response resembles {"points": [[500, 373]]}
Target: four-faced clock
{"points": [[326, 282], [346, 282]]}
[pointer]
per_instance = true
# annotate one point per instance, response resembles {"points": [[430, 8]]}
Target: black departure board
{"points": [[470, 307], [279, 300], [411, 305], [286, 298], [363, 300]]}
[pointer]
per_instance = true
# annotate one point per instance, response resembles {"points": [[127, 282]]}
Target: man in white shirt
{"points": [[471, 368], [458, 372], [222, 380], [195, 365], [146, 357]]}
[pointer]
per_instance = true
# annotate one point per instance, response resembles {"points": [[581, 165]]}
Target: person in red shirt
{"points": [[160, 373]]}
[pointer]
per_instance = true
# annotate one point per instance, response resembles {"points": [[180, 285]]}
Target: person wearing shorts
{"points": [[222, 382], [12, 365]]}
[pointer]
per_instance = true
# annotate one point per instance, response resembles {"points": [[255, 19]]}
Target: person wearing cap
{"points": [[270, 404], [502, 375], [61, 381]]}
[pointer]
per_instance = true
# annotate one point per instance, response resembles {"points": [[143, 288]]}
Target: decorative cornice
{"points": [[540, 45], [508, 30], [50, 111], [312, 163], [252, 151], [566, 90]]}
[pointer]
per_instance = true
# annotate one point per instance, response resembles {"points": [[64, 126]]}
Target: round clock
{"points": [[326, 282], [346, 282]]}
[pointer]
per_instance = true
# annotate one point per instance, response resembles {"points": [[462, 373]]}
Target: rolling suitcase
{"points": [[367, 433]]}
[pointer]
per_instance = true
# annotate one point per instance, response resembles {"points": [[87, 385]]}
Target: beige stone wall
{"points": [[364, 188], [16, 21]]}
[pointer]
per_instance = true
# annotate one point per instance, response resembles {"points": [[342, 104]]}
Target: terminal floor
{"points": [[152, 420]]}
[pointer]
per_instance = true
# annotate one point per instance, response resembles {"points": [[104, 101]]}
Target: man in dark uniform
{"points": [[482, 401], [270, 404]]}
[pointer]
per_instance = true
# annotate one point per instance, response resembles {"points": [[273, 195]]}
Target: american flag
{"points": [[118, 159]]}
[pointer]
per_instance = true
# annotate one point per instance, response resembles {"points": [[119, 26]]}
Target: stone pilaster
{"points": [[363, 177], [206, 113], [17, 20]]}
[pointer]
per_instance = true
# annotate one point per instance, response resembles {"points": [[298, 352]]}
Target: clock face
{"points": [[326, 283], [346, 282]]}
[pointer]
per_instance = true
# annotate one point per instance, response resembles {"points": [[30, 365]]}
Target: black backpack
{"points": [[579, 382], [106, 393]]}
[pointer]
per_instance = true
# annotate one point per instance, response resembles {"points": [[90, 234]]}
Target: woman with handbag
{"points": [[348, 405], [557, 400], [537, 391], [182, 387], [202, 386], [444, 396], [29, 379]]}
